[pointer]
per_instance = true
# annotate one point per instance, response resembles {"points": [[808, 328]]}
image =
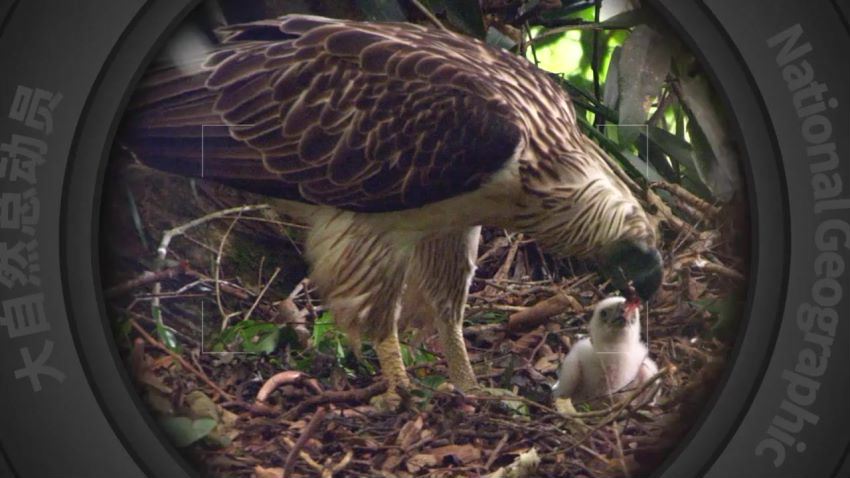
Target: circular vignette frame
{"points": [[93, 423]]}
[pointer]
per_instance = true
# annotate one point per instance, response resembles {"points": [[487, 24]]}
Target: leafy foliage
{"points": [[250, 336], [629, 69], [184, 431]]}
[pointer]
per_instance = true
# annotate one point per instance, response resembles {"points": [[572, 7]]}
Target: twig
{"points": [[689, 198], [359, 395], [169, 235], [508, 398], [224, 316], [226, 287], [180, 359], [145, 279], [325, 470], [594, 61], [720, 270], [302, 440], [674, 221], [505, 268], [527, 29], [495, 453], [613, 411], [430, 15], [262, 293]]}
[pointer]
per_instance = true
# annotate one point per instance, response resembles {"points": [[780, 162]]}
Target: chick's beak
{"points": [[629, 262]]}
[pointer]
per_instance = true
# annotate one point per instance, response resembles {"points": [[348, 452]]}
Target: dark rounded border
{"points": [[81, 202], [81, 244], [768, 204]]}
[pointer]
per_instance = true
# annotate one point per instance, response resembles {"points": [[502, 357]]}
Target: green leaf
{"points": [[611, 93], [466, 15], [646, 169], [611, 148], [643, 67], [184, 431], [123, 329], [323, 326], [673, 146], [382, 10], [165, 334], [656, 158], [429, 384], [715, 155], [340, 350], [201, 405], [251, 336], [433, 381], [289, 336], [262, 339], [415, 356], [681, 151], [727, 311]]}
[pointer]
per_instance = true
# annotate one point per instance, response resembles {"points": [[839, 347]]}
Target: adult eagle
{"points": [[396, 143]]}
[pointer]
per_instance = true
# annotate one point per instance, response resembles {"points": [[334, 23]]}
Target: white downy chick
{"points": [[612, 358]]}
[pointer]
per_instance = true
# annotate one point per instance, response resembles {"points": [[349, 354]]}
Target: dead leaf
{"points": [[528, 341], [263, 472], [394, 458], [420, 461], [410, 433], [548, 362], [463, 453]]}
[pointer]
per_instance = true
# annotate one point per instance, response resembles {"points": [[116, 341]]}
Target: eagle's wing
{"points": [[365, 117]]}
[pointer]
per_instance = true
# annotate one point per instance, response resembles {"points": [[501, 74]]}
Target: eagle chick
{"points": [[611, 359]]}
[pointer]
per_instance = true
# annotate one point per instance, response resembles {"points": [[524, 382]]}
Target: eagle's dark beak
{"points": [[629, 261]]}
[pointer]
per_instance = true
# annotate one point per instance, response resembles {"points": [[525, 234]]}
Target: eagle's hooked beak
{"points": [[628, 261]]}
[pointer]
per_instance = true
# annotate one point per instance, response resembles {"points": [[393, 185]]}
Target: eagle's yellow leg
{"points": [[454, 348], [392, 367]]}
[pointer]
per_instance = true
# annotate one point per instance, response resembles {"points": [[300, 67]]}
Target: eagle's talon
{"points": [[389, 401]]}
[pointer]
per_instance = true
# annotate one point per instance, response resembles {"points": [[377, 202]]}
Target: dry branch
{"points": [[355, 395], [302, 440], [543, 311], [199, 373], [147, 278]]}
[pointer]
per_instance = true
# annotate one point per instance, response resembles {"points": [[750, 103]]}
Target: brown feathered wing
{"points": [[365, 117]]}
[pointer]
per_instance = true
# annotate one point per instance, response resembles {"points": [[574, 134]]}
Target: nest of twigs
{"points": [[177, 316]]}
